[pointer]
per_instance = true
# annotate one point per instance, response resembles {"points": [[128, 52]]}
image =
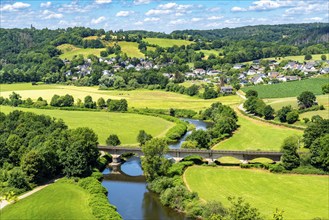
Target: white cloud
{"points": [[98, 20], [266, 5], [51, 15], [196, 19], [142, 2], [178, 21], [14, 7], [238, 9], [158, 12], [103, 1], [304, 8], [215, 17], [45, 4], [138, 23], [169, 5], [313, 19], [124, 13], [213, 9], [74, 7], [151, 19]]}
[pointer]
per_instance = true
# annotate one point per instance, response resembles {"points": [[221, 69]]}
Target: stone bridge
{"points": [[210, 155]]}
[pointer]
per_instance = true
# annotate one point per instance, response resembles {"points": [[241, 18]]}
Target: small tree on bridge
{"points": [[154, 163], [113, 140], [143, 137]]}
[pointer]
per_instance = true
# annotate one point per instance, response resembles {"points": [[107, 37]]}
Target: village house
{"points": [[257, 79], [199, 71], [226, 89]]}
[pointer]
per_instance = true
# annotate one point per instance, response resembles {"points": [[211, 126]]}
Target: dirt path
{"points": [[5, 202]]}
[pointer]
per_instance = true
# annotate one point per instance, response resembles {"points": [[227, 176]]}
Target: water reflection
{"points": [[199, 125], [128, 192]]}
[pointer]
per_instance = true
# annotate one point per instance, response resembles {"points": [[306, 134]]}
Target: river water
{"points": [[128, 192]]}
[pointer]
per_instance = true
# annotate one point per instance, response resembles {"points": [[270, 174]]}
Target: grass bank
{"points": [[57, 201], [289, 89], [300, 196], [125, 125], [256, 135]]}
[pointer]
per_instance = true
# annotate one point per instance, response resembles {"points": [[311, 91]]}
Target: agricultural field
{"points": [[69, 51], [277, 103], [125, 125], [300, 196], [57, 201], [298, 58], [323, 113], [208, 52], [163, 42], [256, 135], [140, 98], [289, 89], [130, 48]]}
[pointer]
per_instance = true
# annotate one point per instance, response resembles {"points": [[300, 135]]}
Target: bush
{"points": [[113, 140], [176, 132], [160, 184], [178, 168], [292, 117], [194, 158], [277, 168], [92, 185], [177, 197], [325, 89]]}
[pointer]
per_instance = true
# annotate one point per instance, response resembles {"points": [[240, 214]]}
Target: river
{"points": [[128, 192]]}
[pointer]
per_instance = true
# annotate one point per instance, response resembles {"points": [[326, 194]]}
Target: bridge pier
{"points": [[116, 160]]}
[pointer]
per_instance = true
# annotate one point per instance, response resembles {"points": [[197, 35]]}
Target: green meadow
{"points": [[300, 196], [163, 42], [57, 201], [256, 135], [69, 51], [125, 125], [278, 103], [140, 98], [289, 89], [298, 58]]}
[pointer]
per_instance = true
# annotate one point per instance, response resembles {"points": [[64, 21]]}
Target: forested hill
{"points": [[295, 34]]}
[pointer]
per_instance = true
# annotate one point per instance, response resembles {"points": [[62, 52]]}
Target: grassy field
{"points": [[69, 51], [322, 113], [130, 48], [289, 89], [256, 135], [25, 86], [298, 58], [300, 196], [277, 103], [163, 42], [125, 125], [136, 98], [57, 201], [208, 52]]}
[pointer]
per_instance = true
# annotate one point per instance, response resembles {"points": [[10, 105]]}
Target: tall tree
{"points": [[154, 163], [290, 158]]}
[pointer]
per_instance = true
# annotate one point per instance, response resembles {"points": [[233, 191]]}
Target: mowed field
{"points": [[163, 42], [136, 98], [289, 89], [69, 51], [256, 135], [298, 58], [300, 196], [57, 201], [125, 125], [278, 103]]}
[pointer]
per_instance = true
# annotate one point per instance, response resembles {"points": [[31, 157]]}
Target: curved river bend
{"points": [[128, 192]]}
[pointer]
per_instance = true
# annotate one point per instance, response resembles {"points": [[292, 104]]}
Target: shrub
{"points": [[189, 144], [194, 158], [177, 197], [92, 185], [277, 168], [292, 117], [160, 184], [176, 132], [113, 140], [178, 168]]}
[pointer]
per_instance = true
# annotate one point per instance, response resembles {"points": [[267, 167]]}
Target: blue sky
{"points": [[158, 15]]}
